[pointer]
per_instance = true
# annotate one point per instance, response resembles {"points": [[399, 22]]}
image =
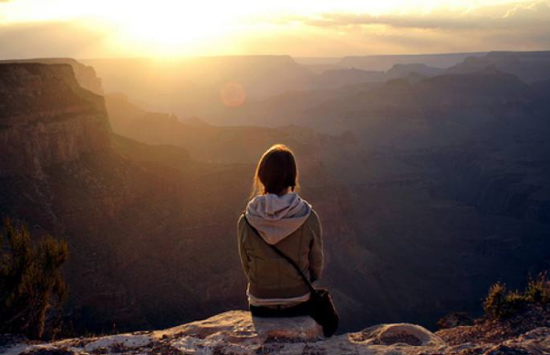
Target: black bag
{"points": [[322, 310], [321, 307]]}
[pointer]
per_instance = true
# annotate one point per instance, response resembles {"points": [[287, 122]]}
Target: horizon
{"points": [[336, 58]]}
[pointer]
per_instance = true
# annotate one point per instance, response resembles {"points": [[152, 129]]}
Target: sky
{"points": [[301, 28]]}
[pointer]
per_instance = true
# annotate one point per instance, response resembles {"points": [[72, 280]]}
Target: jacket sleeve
{"points": [[242, 232], [316, 256]]}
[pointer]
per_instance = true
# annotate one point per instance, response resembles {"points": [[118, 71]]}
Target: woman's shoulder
{"points": [[241, 221], [313, 219]]}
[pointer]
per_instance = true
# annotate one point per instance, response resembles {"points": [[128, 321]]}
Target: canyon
{"points": [[429, 189]]}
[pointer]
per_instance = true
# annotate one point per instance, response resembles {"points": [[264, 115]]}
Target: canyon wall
{"points": [[47, 118]]}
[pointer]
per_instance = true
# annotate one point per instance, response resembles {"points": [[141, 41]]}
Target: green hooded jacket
{"points": [[269, 275]]}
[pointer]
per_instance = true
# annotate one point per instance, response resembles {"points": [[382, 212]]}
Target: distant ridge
{"points": [[386, 61], [529, 67]]}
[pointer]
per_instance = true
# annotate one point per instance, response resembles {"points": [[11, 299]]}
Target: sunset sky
{"points": [[167, 28]]}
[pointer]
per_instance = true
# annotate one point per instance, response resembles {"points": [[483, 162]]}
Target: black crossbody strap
{"points": [[283, 255]]}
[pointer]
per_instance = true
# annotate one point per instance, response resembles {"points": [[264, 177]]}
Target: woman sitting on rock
{"points": [[277, 216]]}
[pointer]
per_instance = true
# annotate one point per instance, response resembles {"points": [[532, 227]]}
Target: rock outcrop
{"points": [[236, 332], [47, 118], [85, 75]]}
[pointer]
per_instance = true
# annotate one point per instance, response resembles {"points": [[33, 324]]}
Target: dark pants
{"points": [[299, 310]]}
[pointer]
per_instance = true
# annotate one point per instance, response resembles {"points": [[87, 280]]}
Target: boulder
{"points": [[240, 326], [401, 333], [290, 329]]}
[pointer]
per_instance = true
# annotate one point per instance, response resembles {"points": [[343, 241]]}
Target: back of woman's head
{"points": [[276, 172]]}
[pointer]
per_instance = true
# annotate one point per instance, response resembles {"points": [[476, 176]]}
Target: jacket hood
{"points": [[276, 217]]}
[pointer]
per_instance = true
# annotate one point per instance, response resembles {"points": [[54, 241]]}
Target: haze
{"points": [[168, 28]]}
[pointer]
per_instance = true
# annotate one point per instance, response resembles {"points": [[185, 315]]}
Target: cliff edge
{"points": [[47, 118], [236, 332]]}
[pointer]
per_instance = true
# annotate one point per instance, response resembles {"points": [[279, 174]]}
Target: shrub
{"points": [[495, 304], [501, 303], [31, 282], [538, 289]]}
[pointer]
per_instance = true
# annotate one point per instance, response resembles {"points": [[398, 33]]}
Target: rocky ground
{"points": [[236, 332], [487, 331]]}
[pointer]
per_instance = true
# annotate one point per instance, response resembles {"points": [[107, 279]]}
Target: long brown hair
{"points": [[276, 171]]}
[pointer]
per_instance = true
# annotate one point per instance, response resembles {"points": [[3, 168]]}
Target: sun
{"points": [[169, 25], [172, 27]]}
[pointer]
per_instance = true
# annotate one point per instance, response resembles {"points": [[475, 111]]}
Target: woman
{"points": [[276, 215]]}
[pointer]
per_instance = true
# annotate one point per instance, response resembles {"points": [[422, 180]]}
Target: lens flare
{"points": [[233, 94]]}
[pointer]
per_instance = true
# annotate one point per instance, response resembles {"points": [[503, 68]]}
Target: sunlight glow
{"points": [[174, 27]]}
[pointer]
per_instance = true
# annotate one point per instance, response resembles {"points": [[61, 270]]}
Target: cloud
{"points": [[523, 26], [397, 21], [533, 11], [515, 16], [50, 39]]}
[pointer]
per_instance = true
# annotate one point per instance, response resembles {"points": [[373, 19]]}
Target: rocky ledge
{"points": [[236, 332]]}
